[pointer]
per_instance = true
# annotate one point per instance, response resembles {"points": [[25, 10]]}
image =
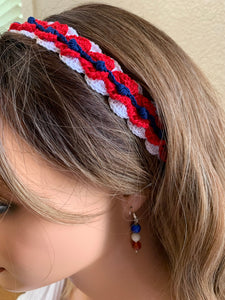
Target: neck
{"points": [[122, 274]]}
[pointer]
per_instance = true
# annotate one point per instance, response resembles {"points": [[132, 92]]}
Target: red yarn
{"points": [[61, 28], [109, 62], [84, 43], [163, 151], [45, 36], [92, 73]]}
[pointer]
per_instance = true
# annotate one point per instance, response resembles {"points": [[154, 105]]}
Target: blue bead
{"points": [[135, 228]]}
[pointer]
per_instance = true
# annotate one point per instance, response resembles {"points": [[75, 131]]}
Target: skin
{"points": [[97, 257]]}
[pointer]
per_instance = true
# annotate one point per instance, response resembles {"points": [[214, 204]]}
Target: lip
{"points": [[2, 269]]}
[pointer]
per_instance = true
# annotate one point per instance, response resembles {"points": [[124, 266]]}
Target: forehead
{"points": [[45, 180]]}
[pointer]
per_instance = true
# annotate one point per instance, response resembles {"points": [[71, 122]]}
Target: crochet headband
{"points": [[104, 75]]}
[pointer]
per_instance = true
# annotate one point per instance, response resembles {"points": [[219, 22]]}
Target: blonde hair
{"points": [[51, 107]]}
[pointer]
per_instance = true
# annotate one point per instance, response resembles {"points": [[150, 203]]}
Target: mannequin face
{"points": [[36, 252]]}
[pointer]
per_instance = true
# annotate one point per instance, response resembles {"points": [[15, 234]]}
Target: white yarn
{"points": [[153, 149], [98, 85], [118, 108], [138, 131], [95, 48], [48, 45], [140, 89], [24, 32], [117, 66], [72, 62], [71, 31]]}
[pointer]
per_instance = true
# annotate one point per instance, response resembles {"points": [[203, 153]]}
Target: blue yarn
{"points": [[142, 111], [51, 30], [73, 45], [62, 38], [100, 66], [123, 90], [31, 20]]}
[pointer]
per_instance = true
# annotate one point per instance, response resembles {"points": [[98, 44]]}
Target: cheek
{"points": [[39, 252], [77, 246], [26, 253]]}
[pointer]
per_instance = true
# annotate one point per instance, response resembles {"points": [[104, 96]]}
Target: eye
{"points": [[4, 207]]}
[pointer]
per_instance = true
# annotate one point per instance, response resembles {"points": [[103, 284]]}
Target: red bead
{"points": [[136, 245]]}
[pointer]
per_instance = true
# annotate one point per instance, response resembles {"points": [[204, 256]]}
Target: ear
{"points": [[132, 202]]}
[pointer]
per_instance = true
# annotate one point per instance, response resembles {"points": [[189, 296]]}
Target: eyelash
{"points": [[5, 209]]}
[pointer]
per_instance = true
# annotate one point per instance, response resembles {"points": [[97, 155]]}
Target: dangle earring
{"points": [[135, 229]]}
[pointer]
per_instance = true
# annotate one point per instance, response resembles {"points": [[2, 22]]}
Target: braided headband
{"points": [[104, 75]]}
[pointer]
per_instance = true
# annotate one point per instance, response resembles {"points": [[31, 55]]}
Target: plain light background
{"points": [[197, 26]]}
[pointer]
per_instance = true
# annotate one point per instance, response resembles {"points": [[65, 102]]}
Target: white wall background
{"points": [[197, 26]]}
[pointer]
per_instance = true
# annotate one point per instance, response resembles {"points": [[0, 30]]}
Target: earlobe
{"points": [[135, 201]]}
